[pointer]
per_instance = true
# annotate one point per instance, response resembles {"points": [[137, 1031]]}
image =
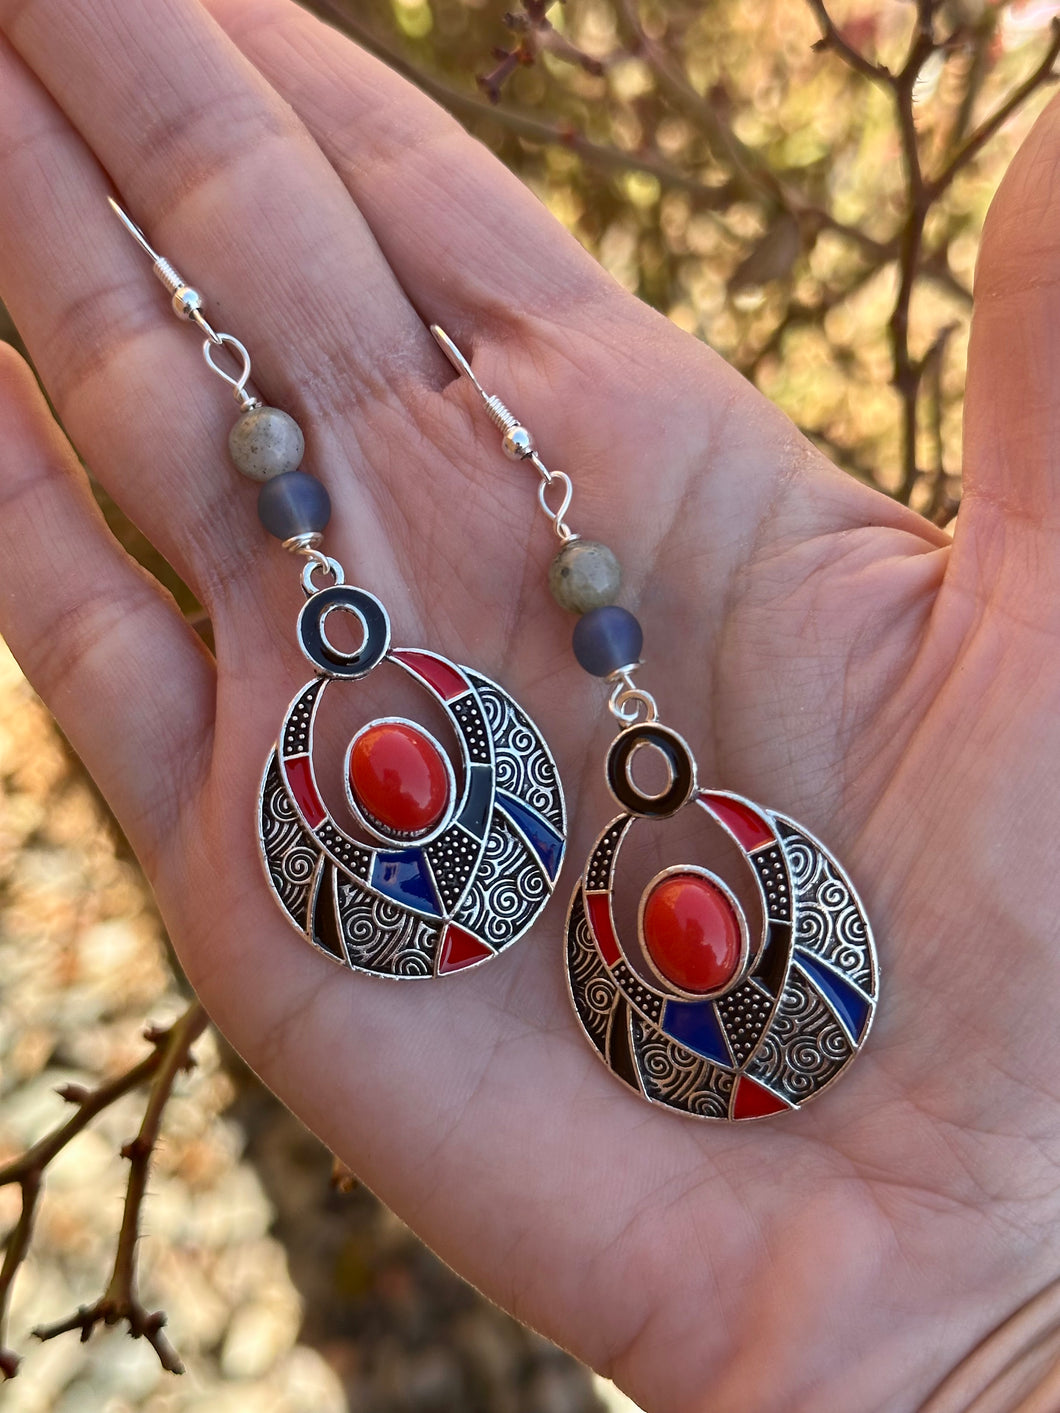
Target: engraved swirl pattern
{"points": [[805, 1046], [593, 990], [384, 937], [523, 764], [675, 1076], [291, 859], [508, 889], [829, 918]]}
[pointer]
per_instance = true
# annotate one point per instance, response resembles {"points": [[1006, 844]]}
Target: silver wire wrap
{"points": [[627, 700], [247, 401]]}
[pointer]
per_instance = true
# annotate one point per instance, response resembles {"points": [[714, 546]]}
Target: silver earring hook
{"points": [[134, 230], [188, 305], [457, 359], [517, 443]]}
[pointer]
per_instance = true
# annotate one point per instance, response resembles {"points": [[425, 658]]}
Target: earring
{"points": [[448, 866], [738, 1001]]}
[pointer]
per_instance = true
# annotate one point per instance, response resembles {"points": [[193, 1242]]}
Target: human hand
{"points": [[825, 650]]}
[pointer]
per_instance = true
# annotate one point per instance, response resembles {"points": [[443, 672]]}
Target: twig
{"points": [[941, 505], [751, 170], [170, 1055], [468, 108], [907, 372], [535, 33], [1042, 73], [982, 42], [832, 39]]}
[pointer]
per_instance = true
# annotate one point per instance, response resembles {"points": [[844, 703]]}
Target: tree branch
{"points": [[171, 1054], [832, 39], [1042, 73]]}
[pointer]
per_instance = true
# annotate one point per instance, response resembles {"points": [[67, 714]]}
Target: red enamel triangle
{"points": [[460, 949], [752, 1101]]}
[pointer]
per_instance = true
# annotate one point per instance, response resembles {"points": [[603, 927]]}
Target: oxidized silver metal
{"points": [[388, 903], [794, 1012]]}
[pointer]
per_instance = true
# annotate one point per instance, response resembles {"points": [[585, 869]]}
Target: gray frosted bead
{"points": [[266, 442], [293, 504], [584, 575], [606, 639]]}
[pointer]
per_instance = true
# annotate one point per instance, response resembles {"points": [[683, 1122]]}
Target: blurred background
{"points": [[801, 185]]}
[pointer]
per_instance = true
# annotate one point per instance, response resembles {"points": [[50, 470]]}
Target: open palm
{"points": [[826, 651]]}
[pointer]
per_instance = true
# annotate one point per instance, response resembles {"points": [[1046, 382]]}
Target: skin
{"points": [[827, 651]]}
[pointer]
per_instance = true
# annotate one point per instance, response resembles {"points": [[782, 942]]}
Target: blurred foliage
{"points": [[802, 188]]}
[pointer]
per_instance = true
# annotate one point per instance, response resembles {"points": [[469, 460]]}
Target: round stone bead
{"points": [[606, 639], [584, 575], [266, 442], [293, 504]]}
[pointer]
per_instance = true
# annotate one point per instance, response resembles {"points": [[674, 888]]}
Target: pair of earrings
{"points": [[727, 1007]]}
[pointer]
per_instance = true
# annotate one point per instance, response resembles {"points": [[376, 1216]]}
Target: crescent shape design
{"points": [[433, 905], [787, 1024]]}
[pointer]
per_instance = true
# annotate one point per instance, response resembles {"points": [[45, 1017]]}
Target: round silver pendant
{"points": [[437, 872], [714, 1012]]}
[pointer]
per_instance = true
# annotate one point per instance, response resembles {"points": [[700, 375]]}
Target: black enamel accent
{"points": [[619, 1049], [475, 814], [376, 631], [771, 968], [325, 923], [676, 752]]}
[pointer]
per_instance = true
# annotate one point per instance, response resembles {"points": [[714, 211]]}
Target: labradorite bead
{"points": [[266, 442], [293, 504], [606, 639], [584, 575]]}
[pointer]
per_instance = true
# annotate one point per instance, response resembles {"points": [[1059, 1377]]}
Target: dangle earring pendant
{"points": [[739, 999], [452, 854]]}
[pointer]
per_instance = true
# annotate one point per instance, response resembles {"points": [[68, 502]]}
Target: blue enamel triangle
{"points": [[404, 877], [694, 1024], [851, 1006], [547, 844]]}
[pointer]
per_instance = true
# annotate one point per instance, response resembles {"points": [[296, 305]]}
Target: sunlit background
{"points": [[756, 189]]}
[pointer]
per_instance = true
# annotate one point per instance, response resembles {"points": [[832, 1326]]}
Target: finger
{"points": [[119, 373], [249, 202], [102, 643], [1012, 412]]}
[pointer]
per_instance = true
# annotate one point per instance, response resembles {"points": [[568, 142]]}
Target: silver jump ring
{"points": [[315, 560]]}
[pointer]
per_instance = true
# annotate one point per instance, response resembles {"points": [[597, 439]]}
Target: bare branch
{"points": [[1042, 74], [467, 108], [832, 39], [171, 1054]]}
